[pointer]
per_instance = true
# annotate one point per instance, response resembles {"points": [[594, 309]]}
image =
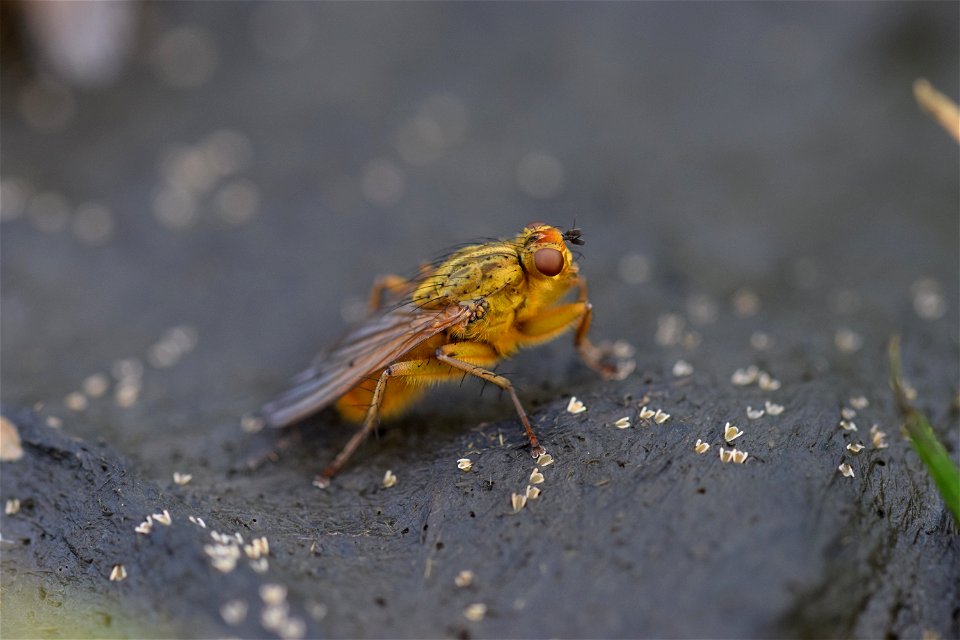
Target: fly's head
{"points": [[544, 252]]}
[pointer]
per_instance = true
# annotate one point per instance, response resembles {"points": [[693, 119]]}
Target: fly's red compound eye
{"points": [[549, 262]]}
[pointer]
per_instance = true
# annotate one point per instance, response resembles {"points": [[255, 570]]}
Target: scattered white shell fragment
{"points": [[660, 417], [251, 423], [847, 340], [198, 521], [575, 406], [731, 432], [145, 527], [532, 492], [854, 448], [475, 612], [646, 414], [744, 377], [878, 438], [754, 414], [519, 501], [182, 478], [464, 578], [701, 446], [260, 565], [163, 518], [75, 401], [234, 612], [389, 479], [536, 477], [10, 447], [622, 423], [859, 403], [272, 593], [223, 557], [96, 385], [773, 408], [733, 455], [464, 464], [846, 470], [846, 425], [682, 368], [54, 422], [767, 382], [848, 414], [257, 548], [12, 506], [118, 573], [545, 460]]}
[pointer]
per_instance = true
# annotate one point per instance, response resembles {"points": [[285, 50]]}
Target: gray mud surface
{"points": [[756, 187]]}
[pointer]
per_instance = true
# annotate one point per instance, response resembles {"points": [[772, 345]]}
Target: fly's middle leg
{"points": [[463, 355]]}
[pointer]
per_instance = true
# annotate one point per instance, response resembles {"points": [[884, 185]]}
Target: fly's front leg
{"points": [[598, 357], [468, 357], [612, 361]]}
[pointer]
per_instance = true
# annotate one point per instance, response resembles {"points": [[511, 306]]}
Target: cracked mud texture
{"points": [[756, 187]]}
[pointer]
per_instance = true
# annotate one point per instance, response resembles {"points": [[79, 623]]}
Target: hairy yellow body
{"points": [[459, 316]]}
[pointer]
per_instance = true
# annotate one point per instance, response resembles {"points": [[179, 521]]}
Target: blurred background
{"points": [[197, 196]]}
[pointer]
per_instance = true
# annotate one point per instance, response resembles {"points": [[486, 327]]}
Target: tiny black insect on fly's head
{"points": [[573, 236]]}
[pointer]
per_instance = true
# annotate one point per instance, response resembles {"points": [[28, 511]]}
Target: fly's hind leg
{"points": [[427, 369], [396, 287], [370, 421], [468, 357], [392, 284]]}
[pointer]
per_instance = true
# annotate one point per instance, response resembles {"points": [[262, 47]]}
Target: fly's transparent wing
{"points": [[366, 348]]}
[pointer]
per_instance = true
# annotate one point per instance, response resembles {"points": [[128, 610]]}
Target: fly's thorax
{"points": [[474, 273]]}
